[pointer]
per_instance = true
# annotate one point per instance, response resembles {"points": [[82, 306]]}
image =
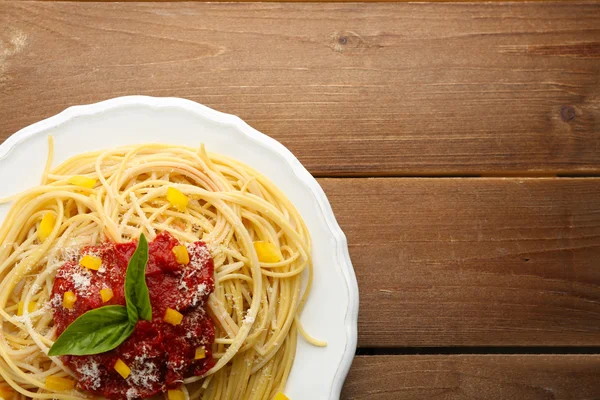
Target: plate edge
{"points": [[342, 253]]}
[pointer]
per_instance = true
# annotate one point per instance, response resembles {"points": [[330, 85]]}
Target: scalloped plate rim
{"points": [[301, 173]]}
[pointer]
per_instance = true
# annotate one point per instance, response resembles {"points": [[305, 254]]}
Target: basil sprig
{"points": [[137, 297], [96, 331], [103, 329]]}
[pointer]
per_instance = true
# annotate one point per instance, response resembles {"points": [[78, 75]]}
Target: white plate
{"points": [[332, 309]]}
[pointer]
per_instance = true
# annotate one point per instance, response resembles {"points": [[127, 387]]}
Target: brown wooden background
{"points": [[459, 144]]}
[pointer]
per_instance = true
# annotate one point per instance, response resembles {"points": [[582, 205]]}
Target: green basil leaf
{"points": [[137, 297], [97, 331], [103, 329]]}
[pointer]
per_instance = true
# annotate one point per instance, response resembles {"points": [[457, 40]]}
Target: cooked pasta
{"points": [[259, 244]]}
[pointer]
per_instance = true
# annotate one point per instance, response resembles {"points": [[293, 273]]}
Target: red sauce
{"points": [[159, 354]]}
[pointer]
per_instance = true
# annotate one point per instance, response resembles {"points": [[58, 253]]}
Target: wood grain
{"points": [[473, 261], [352, 89], [532, 377]]}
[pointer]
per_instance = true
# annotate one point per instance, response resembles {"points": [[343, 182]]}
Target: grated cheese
{"points": [[90, 372], [183, 284], [200, 292], [24, 319], [82, 279], [199, 255], [132, 393], [35, 288], [144, 372], [93, 252], [69, 253], [248, 319], [176, 366], [56, 300]]}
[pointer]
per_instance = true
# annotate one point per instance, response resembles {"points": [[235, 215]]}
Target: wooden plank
{"points": [[473, 261], [300, 1], [523, 377], [352, 89]]}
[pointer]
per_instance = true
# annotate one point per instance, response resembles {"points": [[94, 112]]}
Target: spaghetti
{"points": [[258, 241]]}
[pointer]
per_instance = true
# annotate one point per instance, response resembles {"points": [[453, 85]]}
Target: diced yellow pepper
{"points": [[58, 384], [177, 199], [200, 353], [122, 368], [267, 252], [173, 317], [69, 299], [6, 392], [83, 181], [280, 396], [46, 226], [30, 307], [106, 294], [175, 395], [181, 255], [91, 262]]}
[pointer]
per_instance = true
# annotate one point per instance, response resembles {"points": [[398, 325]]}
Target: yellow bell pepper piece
{"points": [[280, 396], [30, 307], [83, 181], [200, 353], [122, 368], [91, 262], [173, 317], [175, 395], [177, 199], [69, 299], [58, 384], [46, 226], [267, 252], [106, 294], [181, 255]]}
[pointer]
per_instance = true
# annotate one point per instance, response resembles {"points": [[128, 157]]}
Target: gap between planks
{"points": [[300, 1], [296, 1], [481, 350]]}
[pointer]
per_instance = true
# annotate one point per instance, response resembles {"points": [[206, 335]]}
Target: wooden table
{"points": [[459, 145]]}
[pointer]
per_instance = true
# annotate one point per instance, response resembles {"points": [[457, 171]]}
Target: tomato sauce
{"points": [[160, 355]]}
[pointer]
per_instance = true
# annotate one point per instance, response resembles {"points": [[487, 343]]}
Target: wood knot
{"points": [[567, 113], [351, 42]]}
